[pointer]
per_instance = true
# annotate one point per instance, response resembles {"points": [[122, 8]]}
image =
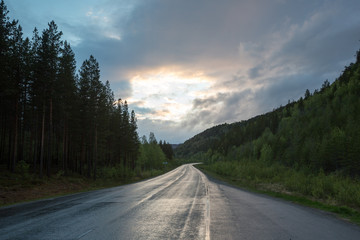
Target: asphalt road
{"points": [[182, 204]]}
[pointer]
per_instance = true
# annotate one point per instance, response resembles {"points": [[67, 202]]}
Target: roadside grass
{"points": [[22, 186], [331, 193]]}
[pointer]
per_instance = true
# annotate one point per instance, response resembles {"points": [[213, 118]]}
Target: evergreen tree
{"points": [[134, 139], [50, 117], [17, 79], [152, 138], [90, 93], [67, 100], [9, 86], [49, 56]]}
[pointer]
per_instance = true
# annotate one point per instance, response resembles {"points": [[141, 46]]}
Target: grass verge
{"points": [[279, 191]]}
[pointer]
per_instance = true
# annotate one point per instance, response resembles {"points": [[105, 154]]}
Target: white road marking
{"points": [[83, 235]]}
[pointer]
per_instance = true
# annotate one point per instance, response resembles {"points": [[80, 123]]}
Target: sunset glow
{"points": [[167, 95]]}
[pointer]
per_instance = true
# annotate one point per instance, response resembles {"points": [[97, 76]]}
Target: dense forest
{"points": [[320, 131], [55, 119]]}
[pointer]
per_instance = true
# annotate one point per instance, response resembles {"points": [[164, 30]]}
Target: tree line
{"points": [[53, 118], [154, 154], [320, 131]]}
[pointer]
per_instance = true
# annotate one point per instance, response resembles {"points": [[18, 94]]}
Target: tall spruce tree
{"points": [[49, 56], [92, 100], [134, 139], [67, 100], [9, 86]]}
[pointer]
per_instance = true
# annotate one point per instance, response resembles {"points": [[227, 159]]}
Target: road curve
{"points": [[182, 204]]}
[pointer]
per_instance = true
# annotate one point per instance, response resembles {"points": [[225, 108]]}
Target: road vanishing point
{"points": [[181, 204]]}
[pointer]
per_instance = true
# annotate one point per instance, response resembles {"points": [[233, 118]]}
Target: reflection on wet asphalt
{"points": [[182, 204]]}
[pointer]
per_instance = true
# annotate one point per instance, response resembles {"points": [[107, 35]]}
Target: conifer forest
{"points": [[55, 118]]}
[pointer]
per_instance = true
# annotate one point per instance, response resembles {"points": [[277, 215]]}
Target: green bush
{"points": [[332, 187], [348, 192], [23, 169], [108, 172]]}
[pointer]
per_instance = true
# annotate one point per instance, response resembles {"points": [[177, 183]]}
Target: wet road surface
{"points": [[182, 204]]}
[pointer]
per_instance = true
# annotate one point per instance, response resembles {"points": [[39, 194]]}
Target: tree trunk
{"points": [[64, 150], [83, 154], [31, 151], [2, 138], [15, 143], [49, 158], [42, 141], [95, 153], [88, 163]]}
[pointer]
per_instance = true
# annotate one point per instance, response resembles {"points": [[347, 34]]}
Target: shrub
{"points": [[23, 169]]}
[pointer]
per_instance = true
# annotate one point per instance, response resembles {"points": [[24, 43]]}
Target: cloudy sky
{"points": [[187, 65]]}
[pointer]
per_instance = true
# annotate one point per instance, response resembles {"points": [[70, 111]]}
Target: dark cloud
{"points": [[308, 36], [123, 89], [176, 32], [208, 102], [255, 71], [223, 107]]}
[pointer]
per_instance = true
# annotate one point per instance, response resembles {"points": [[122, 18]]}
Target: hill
{"points": [[319, 131], [202, 141]]}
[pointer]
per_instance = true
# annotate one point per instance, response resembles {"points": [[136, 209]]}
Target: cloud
{"points": [[260, 57], [187, 65], [220, 108], [315, 44]]}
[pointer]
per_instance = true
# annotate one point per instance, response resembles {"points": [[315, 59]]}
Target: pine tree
{"points": [[67, 99], [92, 97], [126, 133], [152, 138], [16, 81], [49, 56], [9, 87], [134, 139]]}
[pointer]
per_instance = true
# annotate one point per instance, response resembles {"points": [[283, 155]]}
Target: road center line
{"points": [[83, 235], [207, 204], [207, 219]]}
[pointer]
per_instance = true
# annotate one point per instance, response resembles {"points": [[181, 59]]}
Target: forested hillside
{"points": [[202, 141], [319, 131], [55, 120]]}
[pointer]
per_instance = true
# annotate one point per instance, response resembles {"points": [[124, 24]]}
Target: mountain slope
{"points": [[320, 131]]}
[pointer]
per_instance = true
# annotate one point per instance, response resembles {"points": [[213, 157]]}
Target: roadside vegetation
{"points": [[337, 194], [23, 184]]}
